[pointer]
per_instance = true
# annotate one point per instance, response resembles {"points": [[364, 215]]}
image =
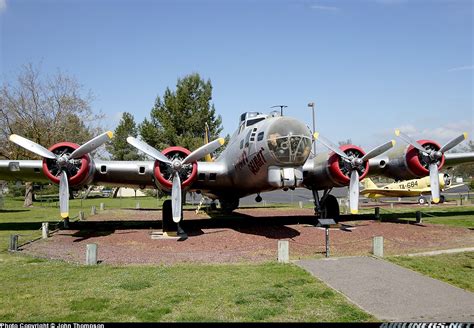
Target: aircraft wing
{"points": [[396, 193], [142, 174], [452, 159], [454, 186], [398, 169], [32, 171], [113, 173], [137, 174]]}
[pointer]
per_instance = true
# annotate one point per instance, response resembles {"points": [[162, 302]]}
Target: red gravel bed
{"points": [[251, 235]]}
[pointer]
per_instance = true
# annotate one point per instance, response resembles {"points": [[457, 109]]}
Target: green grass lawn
{"points": [[16, 219], [455, 216], [13, 207], [456, 269], [40, 290], [43, 290]]}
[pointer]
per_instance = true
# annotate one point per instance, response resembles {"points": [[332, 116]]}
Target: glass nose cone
{"points": [[289, 141]]}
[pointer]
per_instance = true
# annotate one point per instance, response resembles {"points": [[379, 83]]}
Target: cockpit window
{"points": [[248, 115], [247, 139], [289, 141], [256, 120]]}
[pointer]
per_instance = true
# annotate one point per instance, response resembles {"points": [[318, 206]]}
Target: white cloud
{"points": [[326, 8], [441, 134], [3, 5], [461, 68], [450, 130]]}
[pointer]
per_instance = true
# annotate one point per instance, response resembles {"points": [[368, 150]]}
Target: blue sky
{"points": [[369, 65]]}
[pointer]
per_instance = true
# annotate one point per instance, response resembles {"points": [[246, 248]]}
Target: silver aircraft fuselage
{"points": [[267, 152]]}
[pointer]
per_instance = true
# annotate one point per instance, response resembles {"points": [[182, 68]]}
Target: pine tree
{"points": [[118, 147], [179, 118]]}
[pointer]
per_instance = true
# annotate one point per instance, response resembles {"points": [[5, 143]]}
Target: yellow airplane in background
{"points": [[407, 188]]}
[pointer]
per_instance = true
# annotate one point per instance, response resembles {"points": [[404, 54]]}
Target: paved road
{"points": [[306, 196], [393, 293]]}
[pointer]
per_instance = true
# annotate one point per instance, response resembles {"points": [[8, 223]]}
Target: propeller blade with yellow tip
{"points": [[31, 146], [454, 142], [64, 195], [176, 200], [330, 145], [354, 192], [409, 140], [92, 145], [147, 149], [378, 150], [204, 150], [434, 182]]}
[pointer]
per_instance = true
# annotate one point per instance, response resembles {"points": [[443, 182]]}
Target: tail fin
{"points": [[369, 184], [207, 158]]}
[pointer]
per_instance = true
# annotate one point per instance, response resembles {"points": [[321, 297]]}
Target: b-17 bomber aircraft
{"points": [[266, 152], [407, 188]]}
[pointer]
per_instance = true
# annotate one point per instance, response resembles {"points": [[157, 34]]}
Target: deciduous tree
{"points": [[45, 110]]}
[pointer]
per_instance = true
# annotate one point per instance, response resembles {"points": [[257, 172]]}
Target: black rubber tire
{"points": [[442, 199], [229, 205], [330, 208], [213, 206], [167, 219]]}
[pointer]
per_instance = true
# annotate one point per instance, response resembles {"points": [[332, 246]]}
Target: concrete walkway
{"points": [[393, 293], [443, 251]]}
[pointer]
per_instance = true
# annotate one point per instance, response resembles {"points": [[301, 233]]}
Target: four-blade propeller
{"points": [[432, 158], [62, 161], [356, 164], [176, 166]]}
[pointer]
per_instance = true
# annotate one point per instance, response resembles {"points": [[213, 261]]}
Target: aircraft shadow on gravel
{"points": [[273, 227]]}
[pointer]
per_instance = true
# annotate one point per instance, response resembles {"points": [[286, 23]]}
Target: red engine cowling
{"points": [[339, 168], [79, 170], [331, 171], [164, 174], [417, 163]]}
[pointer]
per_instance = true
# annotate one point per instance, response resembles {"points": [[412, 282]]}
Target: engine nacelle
{"points": [[416, 162], [410, 162], [330, 170], [80, 171], [164, 174]]}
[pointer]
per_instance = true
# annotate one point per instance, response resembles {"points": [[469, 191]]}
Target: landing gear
{"points": [[213, 206], [258, 199], [326, 206], [171, 228], [422, 200], [331, 207], [442, 199], [229, 205]]}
